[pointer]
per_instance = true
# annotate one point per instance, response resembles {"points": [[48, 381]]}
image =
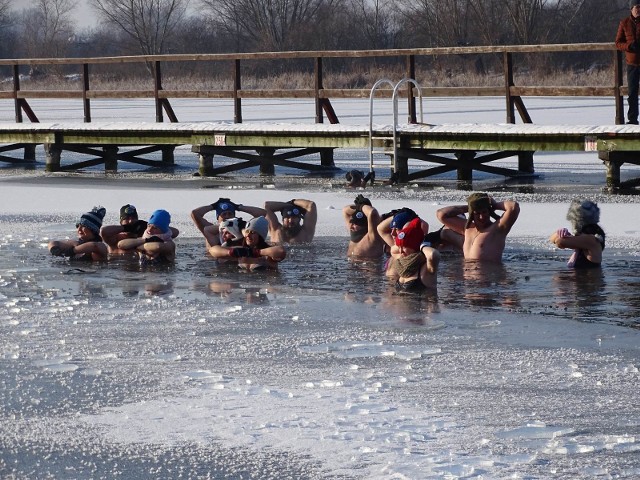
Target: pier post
{"points": [[52, 157], [326, 157], [401, 169], [266, 167], [29, 152], [465, 171], [525, 162], [110, 158], [205, 162], [613, 161], [168, 159]]}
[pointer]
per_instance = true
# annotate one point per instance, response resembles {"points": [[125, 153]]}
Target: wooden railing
{"points": [[512, 93]]}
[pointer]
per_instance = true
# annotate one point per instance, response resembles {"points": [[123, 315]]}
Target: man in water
{"points": [[130, 227], [299, 218], [89, 244], [362, 222], [479, 237], [156, 244], [224, 209]]}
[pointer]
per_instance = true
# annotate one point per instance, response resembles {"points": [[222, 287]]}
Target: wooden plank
{"points": [[221, 57]]}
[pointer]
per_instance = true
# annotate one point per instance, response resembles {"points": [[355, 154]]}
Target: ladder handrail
{"points": [[395, 113], [394, 98], [371, 96]]}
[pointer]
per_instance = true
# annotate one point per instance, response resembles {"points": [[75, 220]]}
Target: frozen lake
{"points": [[321, 370]]}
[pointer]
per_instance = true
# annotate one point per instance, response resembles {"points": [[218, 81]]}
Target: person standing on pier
{"points": [[628, 41]]}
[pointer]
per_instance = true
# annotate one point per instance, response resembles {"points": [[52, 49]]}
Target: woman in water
{"points": [[587, 240]]}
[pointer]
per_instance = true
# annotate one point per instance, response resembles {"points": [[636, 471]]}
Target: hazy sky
{"points": [[85, 16]]}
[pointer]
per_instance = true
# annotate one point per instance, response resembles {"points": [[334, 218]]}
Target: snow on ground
{"points": [[310, 383]]}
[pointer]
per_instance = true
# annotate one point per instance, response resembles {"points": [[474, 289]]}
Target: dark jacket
{"points": [[628, 39]]}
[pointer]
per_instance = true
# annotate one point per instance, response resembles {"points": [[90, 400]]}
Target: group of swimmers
{"points": [[477, 229]]}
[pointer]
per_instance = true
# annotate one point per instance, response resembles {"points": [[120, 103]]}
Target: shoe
{"points": [[632, 122]]}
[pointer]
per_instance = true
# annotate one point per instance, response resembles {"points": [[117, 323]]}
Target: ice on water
{"points": [[319, 371]]}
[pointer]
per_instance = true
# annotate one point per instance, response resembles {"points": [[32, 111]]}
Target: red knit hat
{"points": [[411, 236]]}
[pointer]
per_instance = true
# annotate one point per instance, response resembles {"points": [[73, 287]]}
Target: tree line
{"points": [[48, 29]]}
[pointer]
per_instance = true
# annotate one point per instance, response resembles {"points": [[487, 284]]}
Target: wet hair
{"points": [[596, 231]]}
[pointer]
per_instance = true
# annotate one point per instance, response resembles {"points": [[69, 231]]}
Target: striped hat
{"points": [[93, 219]]}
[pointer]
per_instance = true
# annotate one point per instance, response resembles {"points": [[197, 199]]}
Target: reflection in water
{"points": [[581, 293], [329, 284], [415, 308], [478, 284]]}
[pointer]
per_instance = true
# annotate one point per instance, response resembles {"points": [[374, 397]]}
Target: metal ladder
{"points": [[394, 137]]}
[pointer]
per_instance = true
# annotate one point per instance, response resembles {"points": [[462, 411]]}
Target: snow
{"points": [[484, 393]]}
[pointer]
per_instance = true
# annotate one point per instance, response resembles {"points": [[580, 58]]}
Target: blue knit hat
{"points": [[161, 219], [93, 219], [224, 207], [400, 219]]}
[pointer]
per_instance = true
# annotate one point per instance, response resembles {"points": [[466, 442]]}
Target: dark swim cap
{"points": [[359, 218], [128, 211], [292, 211]]}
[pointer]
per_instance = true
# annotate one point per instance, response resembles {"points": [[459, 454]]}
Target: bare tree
{"points": [[374, 22], [149, 23], [46, 28], [271, 24]]}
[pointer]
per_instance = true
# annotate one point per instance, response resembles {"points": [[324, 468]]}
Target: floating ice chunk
{"points": [[168, 357], [204, 374], [94, 372], [537, 430], [62, 367]]}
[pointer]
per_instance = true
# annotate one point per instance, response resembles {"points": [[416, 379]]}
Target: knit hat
{"points": [[233, 226], [161, 219], [292, 210], [258, 225], [128, 211], [400, 219], [633, 3], [477, 202], [582, 213], [93, 219], [358, 218], [411, 236], [224, 206]]}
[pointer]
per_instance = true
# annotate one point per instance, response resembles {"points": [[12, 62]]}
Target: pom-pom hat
{"points": [[93, 219]]}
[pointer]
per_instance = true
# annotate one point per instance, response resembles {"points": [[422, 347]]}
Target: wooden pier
{"points": [[443, 148]]}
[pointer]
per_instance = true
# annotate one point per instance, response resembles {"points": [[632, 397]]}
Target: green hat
{"points": [[479, 201]]}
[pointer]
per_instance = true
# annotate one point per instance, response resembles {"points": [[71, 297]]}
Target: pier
{"points": [[443, 148], [463, 148]]}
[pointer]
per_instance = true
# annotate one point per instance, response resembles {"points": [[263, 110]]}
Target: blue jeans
{"points": [[633, 82]]}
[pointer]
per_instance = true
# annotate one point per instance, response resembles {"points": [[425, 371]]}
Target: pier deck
{"points": [[451, 147]]}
